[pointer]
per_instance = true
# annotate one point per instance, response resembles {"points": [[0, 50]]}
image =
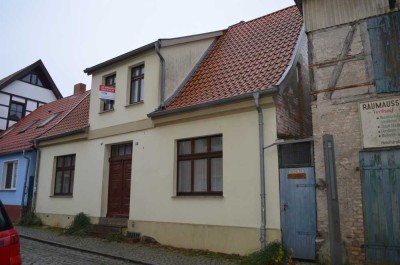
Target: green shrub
{"points": [[30, 219], [273, 254], [80, 225]]}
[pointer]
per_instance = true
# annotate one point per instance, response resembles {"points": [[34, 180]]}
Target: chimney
{"points": [[79, 88]]}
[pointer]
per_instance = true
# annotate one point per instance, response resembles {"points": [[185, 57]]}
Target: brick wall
{"points": [[293, 113], [337, 113]]}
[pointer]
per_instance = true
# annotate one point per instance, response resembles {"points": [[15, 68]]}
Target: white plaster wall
{"points": [[87, 181], [154, 169], [123, 112], [180, 60], [30, 91], [153, 183]]}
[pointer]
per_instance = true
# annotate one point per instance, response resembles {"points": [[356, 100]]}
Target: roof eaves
{"points": [[16, 151], [214, 103], [190, 38], [299, 4], [60, 135], [294, 56], [119, 58]]}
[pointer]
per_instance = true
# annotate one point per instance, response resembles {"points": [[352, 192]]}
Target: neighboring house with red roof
{"points": [[18, 150], [24, 91], [177, 134]]}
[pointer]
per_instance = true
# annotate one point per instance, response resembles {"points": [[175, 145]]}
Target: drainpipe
{"points": [[28, 161], [36, 177], [262, 168], [162, 96]]}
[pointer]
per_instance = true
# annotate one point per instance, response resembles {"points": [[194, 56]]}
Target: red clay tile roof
{"points": [[76, 120], [250, 56], [13, 140]]}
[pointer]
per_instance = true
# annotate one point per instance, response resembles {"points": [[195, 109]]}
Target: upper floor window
{"points": [[137, 84], [108, 104], [64, 178], [16, 111], [33, 79], [200, 166], [9, 175]]}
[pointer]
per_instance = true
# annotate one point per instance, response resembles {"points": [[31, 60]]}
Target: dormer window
{"points": [[33, 79], [137, 84], [108, 104], [49, 119]]}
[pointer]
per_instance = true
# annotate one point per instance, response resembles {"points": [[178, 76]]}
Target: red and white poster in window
{"points": [[106, 92]]}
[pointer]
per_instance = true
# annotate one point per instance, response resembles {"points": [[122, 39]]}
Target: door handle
{"points": [[285, 206]]}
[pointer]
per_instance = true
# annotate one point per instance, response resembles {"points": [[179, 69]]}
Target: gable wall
{"points": [[293, 102]]}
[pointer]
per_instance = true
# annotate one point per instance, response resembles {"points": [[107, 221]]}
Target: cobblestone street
{"points": [[37, 253], [52, 252]]}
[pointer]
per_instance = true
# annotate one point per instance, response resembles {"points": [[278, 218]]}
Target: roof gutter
{"points": [[256, 97], [36, 178], [157, 45], [81, 130], [156, 114], [24, 191]]}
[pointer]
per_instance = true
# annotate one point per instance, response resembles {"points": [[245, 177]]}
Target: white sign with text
{"points": [[380, 121]]}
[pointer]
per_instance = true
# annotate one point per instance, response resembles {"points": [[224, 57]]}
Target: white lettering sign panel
{"points": [[106, 92], [380, 121]]}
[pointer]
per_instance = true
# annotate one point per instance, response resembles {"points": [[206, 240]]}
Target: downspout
{"points": [[162, 96], [36, 177], [28, 161], [262, 169]]}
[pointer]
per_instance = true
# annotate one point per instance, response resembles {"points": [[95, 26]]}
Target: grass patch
{"points": [[273, 254], [30, 219], [115, 238], [80, 226]]}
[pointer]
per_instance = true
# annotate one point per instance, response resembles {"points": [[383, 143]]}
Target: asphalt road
{"points": [[34, 252]]}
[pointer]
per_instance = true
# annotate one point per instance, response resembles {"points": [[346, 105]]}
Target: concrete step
{"points": [[122, 222], [108, 228]]}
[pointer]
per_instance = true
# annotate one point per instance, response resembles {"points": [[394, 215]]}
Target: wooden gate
{"points": [[380, 178]]}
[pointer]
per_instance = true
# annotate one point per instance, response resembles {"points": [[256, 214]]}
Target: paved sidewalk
{"points": [[137, 253]]}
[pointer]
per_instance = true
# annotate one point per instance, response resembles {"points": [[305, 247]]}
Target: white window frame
{"points": [[13, 177]]}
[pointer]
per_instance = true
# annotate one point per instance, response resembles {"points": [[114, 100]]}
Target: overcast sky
{"points": [[71, 35]]}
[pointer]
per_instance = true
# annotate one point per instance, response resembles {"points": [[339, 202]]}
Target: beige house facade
{"points": [[181, 168]]}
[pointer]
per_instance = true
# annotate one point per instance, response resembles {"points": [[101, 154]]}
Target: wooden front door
{"points": [[119, 186]]}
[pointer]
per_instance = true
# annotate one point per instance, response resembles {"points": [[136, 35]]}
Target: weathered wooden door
{"points": [[380, 178], [298, 211], [119, 187]]}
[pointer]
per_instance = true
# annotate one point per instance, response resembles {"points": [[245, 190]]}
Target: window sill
{"points": [[8, 189], [61, 196], [197, 196], [134, 104], [106, 111]]}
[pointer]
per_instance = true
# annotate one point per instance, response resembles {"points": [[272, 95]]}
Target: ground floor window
{"points": [[200, 166], [64, 177], [9, 175]]}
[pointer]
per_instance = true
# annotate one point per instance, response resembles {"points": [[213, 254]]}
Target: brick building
{"points": [[355, 65]]}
